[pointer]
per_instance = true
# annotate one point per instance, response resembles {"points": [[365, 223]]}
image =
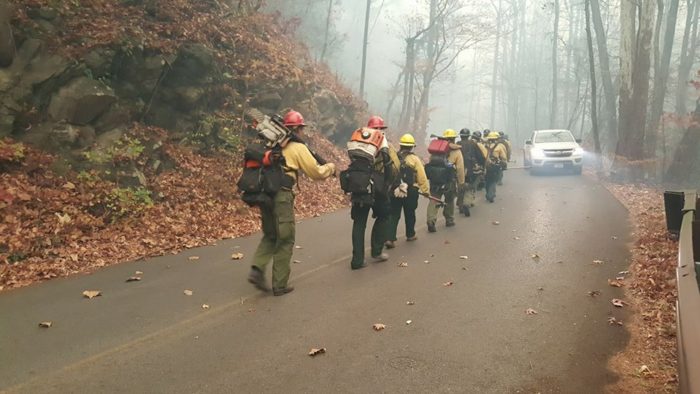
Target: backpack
{"points": [[494, 166], [407, 174], [263, 163], [360, 178], [439, 170]]}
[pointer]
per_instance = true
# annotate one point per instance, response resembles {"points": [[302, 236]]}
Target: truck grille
{"points": [[558, 152]]}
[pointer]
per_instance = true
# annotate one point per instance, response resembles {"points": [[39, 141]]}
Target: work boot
{"points": [[257, 278], [390, 244], [359, 267], [431, 228], [411, 239], [381, 258], [466, 211], [450, 223], [282, 291]]}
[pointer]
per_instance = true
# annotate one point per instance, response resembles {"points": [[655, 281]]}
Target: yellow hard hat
{"points": [[449, 133], [407, 140], [493, 136]]}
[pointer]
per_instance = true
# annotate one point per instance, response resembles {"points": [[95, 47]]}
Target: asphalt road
{"points": [[471, 337]]}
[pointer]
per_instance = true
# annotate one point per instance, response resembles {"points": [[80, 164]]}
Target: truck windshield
{"points": [[554, 136]]}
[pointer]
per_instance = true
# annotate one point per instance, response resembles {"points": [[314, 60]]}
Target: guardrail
{"points": [[681, 220]]}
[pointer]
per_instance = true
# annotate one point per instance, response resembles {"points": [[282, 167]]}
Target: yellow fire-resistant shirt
{"points": [[498, 152], [455, 157], [298, 157], [416, 164]]}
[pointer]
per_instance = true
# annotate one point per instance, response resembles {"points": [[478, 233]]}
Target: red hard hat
{"points": [[294, 118], [376, 122]]}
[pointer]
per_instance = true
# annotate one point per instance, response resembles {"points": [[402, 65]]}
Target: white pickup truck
{"points": [[554, 150]]}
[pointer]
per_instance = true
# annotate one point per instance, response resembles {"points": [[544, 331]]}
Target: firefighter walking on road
{"points": [[278, 224], [385, 173], [496, 163], [405, 197], [446, 174], [474, 155]]}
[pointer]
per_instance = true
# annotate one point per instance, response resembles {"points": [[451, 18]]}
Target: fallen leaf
{"points": [[315, 352], [188, 292], [612, 321], [410, 303], [378, 326], [427, 261], [237, 256], [644, 370], [296, 261], [408, 322], [74, 257], [623, 273], [46, 324], [535, 256], [447, 242], [251, 310], [298, 247], [594, 293], [598, 262], [69, 186], [63, 219], [464, 257], [133, 279], [403, 264], [496, 223], [516, 238], [446, 284], [619, 278], [205, 306], [92, 293], [614, 238], [138, 273], [540, 288], [618, 302], [530, 311], [193, 258], [615, 283], [464, 268]]}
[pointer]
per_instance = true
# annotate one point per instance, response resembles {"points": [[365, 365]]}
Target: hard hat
{"points": [[449, 133], [476, 134], [376, 122], [293, 118], [493, 136], [500, 133], [464, 132], [407, 140]]}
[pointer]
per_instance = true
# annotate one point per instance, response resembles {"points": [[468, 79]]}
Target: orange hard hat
{"points": [[293, 118]]}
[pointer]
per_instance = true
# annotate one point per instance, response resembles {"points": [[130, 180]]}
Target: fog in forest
{"points": [[521, 65]]}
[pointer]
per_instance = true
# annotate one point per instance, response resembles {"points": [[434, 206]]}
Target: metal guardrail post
{"points": [[688, 303]]}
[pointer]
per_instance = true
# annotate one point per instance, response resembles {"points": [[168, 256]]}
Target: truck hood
{"points": [[556, 145]]}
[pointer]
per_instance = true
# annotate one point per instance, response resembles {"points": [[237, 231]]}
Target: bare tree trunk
{"points": [[555, 67], [364, 51], [328, 28], [661, 77], [605, 74], [688, 50], [594, 89], [634, 85], [494, 74]]}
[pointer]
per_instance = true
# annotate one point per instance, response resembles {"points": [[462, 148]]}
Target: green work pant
{"points": [[277, 243], [409, 206], [449, 193], [470, 188], [359, 214]]}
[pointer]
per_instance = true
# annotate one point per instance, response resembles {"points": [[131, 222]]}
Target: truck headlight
{"points": [[579, 151]]}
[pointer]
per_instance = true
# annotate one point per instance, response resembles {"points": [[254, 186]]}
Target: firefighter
{"points": [[405, 197], [449, 191], [509, 150], [474, 155], [387, 165], [480, 172], [496, 162], [278, 222]]}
